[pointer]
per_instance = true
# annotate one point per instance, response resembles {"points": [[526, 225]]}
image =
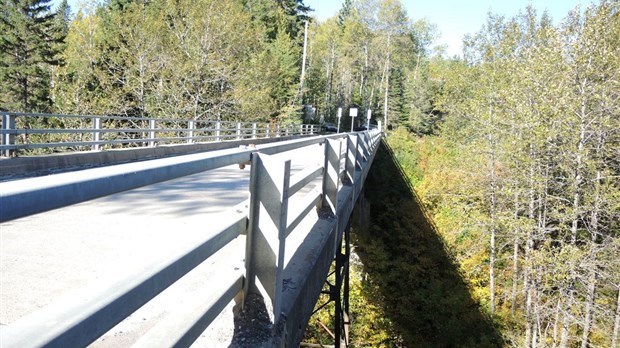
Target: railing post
{"points": [[265, 242], [351, 158], [359, 156], [286, 130], [8, 125], [96, 133], [218, 126], [238, 130], [278, 130], [152, 133], [331, 175], [267, 131], [367, 144], [190, 131], [379, 125], [254, 130]]}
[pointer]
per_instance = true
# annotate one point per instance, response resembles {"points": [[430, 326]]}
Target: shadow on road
{"points": [[414, 280]]}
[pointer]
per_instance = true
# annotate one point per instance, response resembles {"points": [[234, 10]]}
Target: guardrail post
{"points": [[331, 175], [218, 126], [278, 130], [238, 130], [265, 242], [286, 131], [96, 133], [254, 130], [151, 133], [190, 131], [379, 125], [367, 144], [359, 157], [8, 125], [267, 131], [351, 158]]}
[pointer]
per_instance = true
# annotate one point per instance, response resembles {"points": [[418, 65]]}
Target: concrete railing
{"points": [[49, 132], [272, 213]]}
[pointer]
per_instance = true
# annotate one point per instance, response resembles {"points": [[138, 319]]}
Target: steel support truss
{"points": [[339, 291]]}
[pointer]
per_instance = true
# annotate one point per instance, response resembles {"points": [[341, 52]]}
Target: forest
{"points": [[503, 165]]}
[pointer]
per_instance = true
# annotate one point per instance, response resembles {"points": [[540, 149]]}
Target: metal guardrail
{"points": [[85, 315], [30, 131]]}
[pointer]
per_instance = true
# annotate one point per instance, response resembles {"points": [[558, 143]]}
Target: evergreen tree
{"points": [[62, 22], [396, 100], [275, 16], [344, 12], [30, 42]]}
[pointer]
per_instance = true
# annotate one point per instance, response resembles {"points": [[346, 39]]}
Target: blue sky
{"points": [[454, 18]]}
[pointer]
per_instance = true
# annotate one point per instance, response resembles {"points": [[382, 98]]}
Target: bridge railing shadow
{"points": [[409, 273]]}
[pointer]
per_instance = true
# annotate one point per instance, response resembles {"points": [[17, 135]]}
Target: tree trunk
{"points": [[529, 245], [387, 84], [536, 326], [590, 297], [328, 80], [302, 78], [577, 176], [364, 70], [493, 219], [515, 274], [556, 323], [528, 315], [614, 335], [565, 328], [331, 78], [303, 59]]}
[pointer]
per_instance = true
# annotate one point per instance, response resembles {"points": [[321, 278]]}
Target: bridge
{"points": [[227, 245]]}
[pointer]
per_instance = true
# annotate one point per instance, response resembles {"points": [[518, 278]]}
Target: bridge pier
{"points": [[341, 296]]}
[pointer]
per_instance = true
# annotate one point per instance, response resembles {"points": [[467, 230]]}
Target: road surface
{"points": [[48, 255]]}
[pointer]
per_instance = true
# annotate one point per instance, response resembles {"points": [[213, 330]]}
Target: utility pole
{"points": [[303, 64]]}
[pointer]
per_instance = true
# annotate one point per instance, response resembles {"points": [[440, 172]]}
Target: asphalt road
{"points": [[48, 255]]}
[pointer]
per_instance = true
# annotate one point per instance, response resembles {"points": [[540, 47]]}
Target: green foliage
{"points": [[31, 38], [286, 17], [519, 180], [409, 273], [371, 49], [167, 58]]}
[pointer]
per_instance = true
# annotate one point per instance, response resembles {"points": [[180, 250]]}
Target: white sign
{"points": [[339, 112], [369, 113], [353, 112]]}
